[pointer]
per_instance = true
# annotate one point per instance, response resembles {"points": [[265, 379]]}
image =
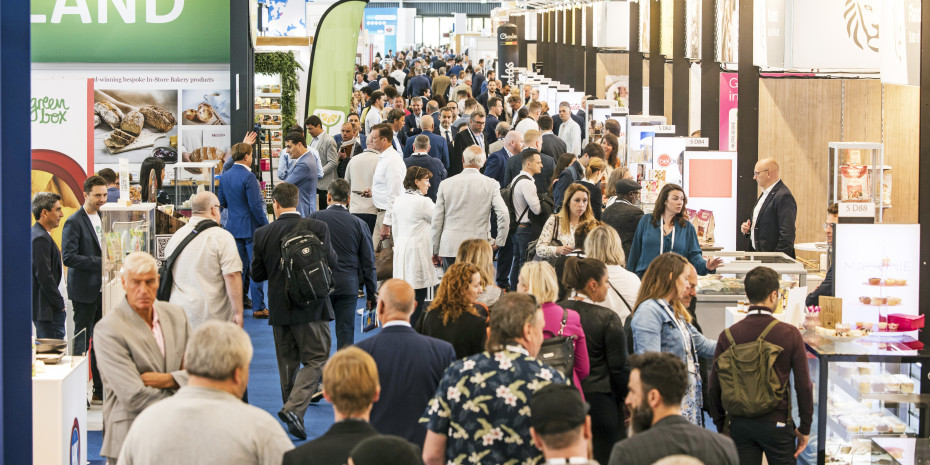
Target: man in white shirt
{"points": [[208, 272], [373, 115], [360, 173], [529, 123], [569, 131], [388, 181], [525, 201]]}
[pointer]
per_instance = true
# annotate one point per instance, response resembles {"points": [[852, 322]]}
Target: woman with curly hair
{"points": [[480, 253], [455, 316]]}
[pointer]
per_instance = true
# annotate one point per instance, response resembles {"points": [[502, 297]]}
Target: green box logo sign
{"points": [[130, 31], [47, 110]]}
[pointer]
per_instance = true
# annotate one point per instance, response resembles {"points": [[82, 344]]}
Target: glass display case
{"points": [[125, 229], [864, 388], [900, 451], [191, 178], [857, 173]]}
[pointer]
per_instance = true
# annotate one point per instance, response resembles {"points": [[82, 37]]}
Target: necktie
{"points": [[448, 136]]}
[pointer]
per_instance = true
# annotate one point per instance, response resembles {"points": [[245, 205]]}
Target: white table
{"points": [[734, 316], [59, 413]]}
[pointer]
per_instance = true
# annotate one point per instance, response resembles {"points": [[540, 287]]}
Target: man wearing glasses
{"points": [[208, 271], [771, 228], [826, 286]]}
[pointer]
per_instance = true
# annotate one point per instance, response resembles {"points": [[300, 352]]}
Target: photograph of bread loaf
{"points": [[205, 107], [204, 144], [129, 123]]}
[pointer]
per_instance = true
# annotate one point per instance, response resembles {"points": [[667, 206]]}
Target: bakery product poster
{"points": [[61, 142], [132, 124]]}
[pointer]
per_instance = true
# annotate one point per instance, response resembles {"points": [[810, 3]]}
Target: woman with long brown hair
{"points": [[455, 316], [661, 323], [667, 229], [561, 226], [479, 253], [413, 215], [611, 146]]}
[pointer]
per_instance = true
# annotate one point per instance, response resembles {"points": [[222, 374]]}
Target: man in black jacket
{"points": [[532, 139], [48, 306], [623, 215], [351, 380], [551, 144], [301, 333], [771, 228], [472, 134], [352, 243], [81, 241]]}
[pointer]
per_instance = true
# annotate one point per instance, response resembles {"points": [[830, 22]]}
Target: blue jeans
{"points": [[344, 308], [54, 329], [521, 240], [244, 246]]}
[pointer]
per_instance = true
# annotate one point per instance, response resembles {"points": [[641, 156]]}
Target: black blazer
{"points": [[624, 218], [466, 334], [774, 226], [437, 129], [607, 349], [266, 266], [80, 251], [490, 124], [596, 199], [553, 146], [333, 447], [463, 140], [351, 240], [515, 164], [410, 125], [46, 274], [410, 367]]}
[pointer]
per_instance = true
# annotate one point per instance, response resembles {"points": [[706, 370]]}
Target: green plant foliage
{"points": [[284, 64]]}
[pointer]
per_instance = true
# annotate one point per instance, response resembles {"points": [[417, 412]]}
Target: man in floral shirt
{"points": [[481, 413]]}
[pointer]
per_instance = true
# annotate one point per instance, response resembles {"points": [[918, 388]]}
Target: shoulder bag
{"points": [[559, 351], [166, 274]]}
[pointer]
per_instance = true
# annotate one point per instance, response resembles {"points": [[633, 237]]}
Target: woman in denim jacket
{"points": [[661, 323]]}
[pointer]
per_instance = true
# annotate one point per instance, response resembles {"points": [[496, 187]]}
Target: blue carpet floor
{"points": [[264, 385]]}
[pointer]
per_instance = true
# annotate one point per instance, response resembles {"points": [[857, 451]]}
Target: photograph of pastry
{"points": [[129, 123], [205, 144], [205, 107]]}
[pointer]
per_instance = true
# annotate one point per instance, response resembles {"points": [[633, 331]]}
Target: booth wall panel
{"points": [[902, 151], [669, 92], [609, 64]]}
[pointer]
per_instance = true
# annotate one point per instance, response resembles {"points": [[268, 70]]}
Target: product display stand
{"points": [[125, 230], [59, 413], [857, 175]]}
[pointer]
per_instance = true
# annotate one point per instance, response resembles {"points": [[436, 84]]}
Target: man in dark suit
{"points": [[472, 134], [396, 120], [81, 241], [496, 166], [826, 286], [412, 122], [658, 381], [420, 157], [551, 144], [445, 128], [771, 228], [495, 113], [484, 97], [301, 333], [476, 81], [410, 365], [350, 381], [48, 306], [623, 215], [242, 198], [438, 148], [417, 85], [347, 146], [432, 109], [532, 140], [353, 245]]}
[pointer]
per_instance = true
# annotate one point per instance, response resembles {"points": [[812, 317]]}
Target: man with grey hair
{"points": [[463, 209], [208, 272], [420, 157], [501, 131], [472, 134], [140, 349], [48, 306], [569, 130], [206, 421]]}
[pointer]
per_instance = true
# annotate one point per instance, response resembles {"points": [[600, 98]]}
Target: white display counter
{"points": [[59, 413], [734, 316]]}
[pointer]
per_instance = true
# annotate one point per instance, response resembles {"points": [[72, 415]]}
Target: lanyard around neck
{"points": [[662, 239]]}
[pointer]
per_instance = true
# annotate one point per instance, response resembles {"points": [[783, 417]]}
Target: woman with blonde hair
{"points": [[479, 253], [661, 323], [561, 226], [592, 181], [455, 316], [603, 243], [538, 279]]}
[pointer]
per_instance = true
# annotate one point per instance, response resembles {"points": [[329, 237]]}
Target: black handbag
{"points": [[559, 351]]}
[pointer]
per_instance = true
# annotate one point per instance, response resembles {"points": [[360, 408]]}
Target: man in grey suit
{"points": [[324, 144], [140, 348], [463, 210]]}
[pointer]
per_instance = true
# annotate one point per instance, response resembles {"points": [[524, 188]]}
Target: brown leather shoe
{"points": [[260, 314]]}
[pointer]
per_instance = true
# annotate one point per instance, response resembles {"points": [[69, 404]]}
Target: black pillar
{"points": [[520, 22], [241, 71], [578, 52], [681, 75], [747, 135], [656, 62], [636, 62], [710, 77], [542, 44], [923, 209]]}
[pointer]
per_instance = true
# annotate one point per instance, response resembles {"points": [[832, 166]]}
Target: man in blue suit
{"points": [[496, 166], [412, 125], [48, 306], [410, 365], [352, 242], [420, 157], [241, 196], [417, 85], [305, 173], [438, 148]]}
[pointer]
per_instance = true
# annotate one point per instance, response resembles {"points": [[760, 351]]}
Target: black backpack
{"points": [[166, 273], [559, 351], [507, 195], [303, 257]]}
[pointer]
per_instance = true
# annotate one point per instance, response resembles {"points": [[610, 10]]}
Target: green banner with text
{"points": [[130, 31]]}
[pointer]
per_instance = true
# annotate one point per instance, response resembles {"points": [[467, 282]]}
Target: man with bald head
{"points": [[410, 364], [208, 271], [771, 228]]}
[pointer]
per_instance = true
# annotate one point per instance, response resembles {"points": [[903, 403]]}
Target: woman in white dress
{"points": [[410, 227]]}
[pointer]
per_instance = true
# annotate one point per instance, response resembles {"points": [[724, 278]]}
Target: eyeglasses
{"points": [[828, 227], [756, 173]]}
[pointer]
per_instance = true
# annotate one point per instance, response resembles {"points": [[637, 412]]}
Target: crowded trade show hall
{"points": [[615, 232]]}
